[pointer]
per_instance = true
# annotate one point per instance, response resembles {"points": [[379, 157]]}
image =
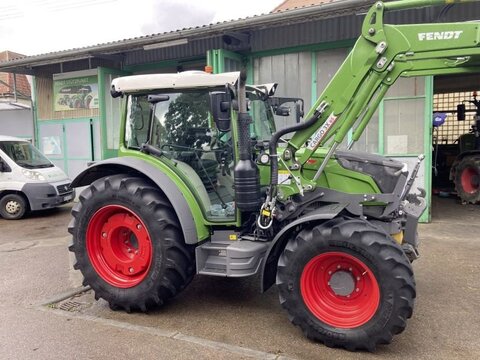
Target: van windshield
{"points": [[25, 154]]}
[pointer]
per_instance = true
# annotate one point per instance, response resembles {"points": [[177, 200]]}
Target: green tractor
{"points": [[205, 184]]}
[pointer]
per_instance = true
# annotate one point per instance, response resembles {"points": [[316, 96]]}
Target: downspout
{"points": [[14, 87], [33, 106]]}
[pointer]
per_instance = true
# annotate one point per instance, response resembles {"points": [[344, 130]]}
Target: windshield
{"points": [[179, 116], [25, 155]]}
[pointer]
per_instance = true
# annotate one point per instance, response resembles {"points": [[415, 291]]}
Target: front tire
{"points": [[13, 206], [347, 284], [129, 245]]}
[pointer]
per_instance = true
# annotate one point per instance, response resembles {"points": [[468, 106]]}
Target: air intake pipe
{"points": [[246, 174]]}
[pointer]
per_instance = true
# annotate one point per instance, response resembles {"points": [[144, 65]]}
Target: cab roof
{"points": [[182, 80]]}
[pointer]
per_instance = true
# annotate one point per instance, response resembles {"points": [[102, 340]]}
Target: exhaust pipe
{"points": [[246, 174]]}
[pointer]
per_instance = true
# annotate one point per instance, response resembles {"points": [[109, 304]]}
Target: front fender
{"points": [[191, 221], [269, 266]]}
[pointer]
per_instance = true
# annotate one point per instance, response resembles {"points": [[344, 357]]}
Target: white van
{"points": [[28, 180]]}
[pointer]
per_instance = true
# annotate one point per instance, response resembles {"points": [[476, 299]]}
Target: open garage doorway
{"points": [[456, 141]]}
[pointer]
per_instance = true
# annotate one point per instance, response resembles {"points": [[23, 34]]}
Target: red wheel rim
{"points": [[470, 179], [349, 309], [119, 246]]}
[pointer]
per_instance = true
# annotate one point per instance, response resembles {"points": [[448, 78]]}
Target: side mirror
{"points": [[220, 109], [282, 111], [461, 112], [299, 111], [153, 99]]}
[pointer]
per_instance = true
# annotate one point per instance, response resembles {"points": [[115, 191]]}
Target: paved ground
{"points": [[220, 318]]}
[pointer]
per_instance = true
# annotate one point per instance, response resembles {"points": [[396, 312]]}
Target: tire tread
{"points": [[177, 264]]}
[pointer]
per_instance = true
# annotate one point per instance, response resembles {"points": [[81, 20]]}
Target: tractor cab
{"points": [[172, 118]]}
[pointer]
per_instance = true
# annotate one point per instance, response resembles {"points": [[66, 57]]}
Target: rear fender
{"points": [[190, 220], [269, 266]]}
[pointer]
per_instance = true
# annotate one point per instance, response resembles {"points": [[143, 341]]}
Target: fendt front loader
{"points": [[204, 184]]}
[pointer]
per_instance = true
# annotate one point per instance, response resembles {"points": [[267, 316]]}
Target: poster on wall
{"points": [[76, 93]]}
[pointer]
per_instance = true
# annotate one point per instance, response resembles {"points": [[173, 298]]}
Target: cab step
{"points": [[237, 258]]}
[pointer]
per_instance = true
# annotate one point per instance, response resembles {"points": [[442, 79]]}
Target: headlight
{"points": [[33, 175]]}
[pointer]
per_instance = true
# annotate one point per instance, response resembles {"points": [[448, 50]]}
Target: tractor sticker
{"points": [[76, 93], [284, 177], [320, 134]]}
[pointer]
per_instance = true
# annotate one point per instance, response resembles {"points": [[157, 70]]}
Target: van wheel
{"points": [[13, 207]]}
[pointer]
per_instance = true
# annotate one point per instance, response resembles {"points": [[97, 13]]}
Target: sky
{"points": [[32, 27]]}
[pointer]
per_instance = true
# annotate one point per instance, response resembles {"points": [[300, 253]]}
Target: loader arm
{"points": [[382, 53]]}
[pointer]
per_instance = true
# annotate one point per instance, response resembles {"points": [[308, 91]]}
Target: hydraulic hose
{"points": [[265, 219], [276, 137]]}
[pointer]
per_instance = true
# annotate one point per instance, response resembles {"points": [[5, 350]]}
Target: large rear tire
{"points": [[347, 284], [128, 243], [467, 179]]}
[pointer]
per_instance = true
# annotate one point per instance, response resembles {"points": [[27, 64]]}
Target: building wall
{"points": [[72, 137], [16, 117], [397, 130], [17, 123]]}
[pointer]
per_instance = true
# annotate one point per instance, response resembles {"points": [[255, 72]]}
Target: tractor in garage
{"points": [[465, 170], [205, 184]]}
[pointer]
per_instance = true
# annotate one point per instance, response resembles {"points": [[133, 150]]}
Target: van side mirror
{"points": [[220, 109], [4, 166], [461, 112]]}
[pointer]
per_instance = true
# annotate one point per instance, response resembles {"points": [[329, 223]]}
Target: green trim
{"points": [[250, 71], [216, 58], [109, 153], [349, 136], [428, 128], [220, 61], [209, 58], [36, 141], [103, 115], [381, 129], [314, 96], [106, 153], [65, 148], [304, 48]]}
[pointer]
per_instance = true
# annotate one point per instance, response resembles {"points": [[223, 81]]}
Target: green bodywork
{"points": [[381, 54]]}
